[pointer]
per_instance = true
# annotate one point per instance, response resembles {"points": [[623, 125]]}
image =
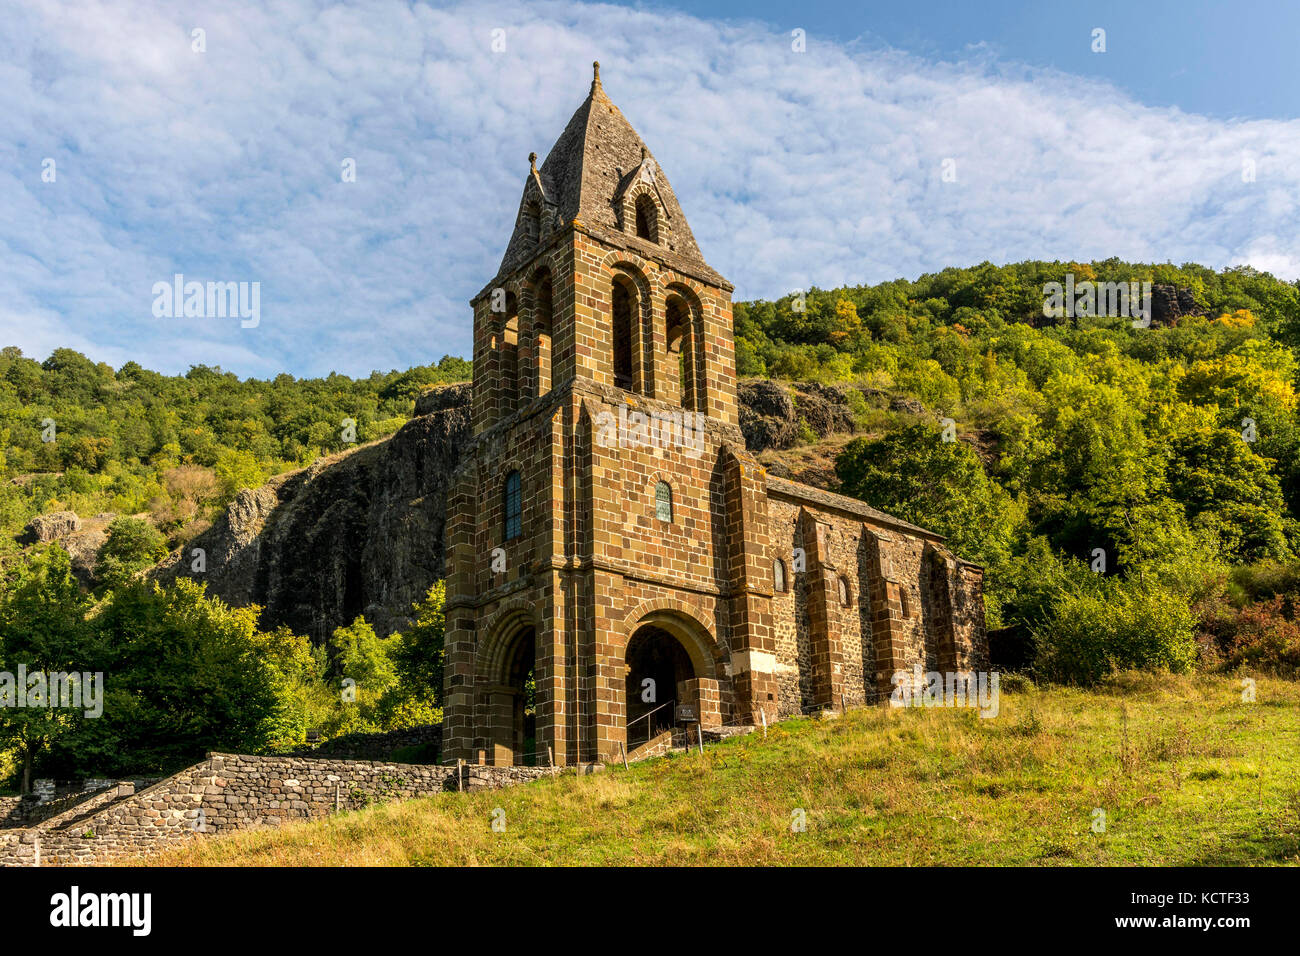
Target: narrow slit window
{"points": [[514, 507]]}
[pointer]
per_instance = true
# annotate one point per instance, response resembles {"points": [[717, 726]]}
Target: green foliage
{"points": [[418, 653], [1172, 451], [184, 674], [356, 654], [119, 435], [915, 475], [1115, 625], [394, 683], [132, 546], [43, 629]]}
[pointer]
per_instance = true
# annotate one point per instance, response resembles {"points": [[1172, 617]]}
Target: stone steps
{"points": [[87, 808], [654, 747]]}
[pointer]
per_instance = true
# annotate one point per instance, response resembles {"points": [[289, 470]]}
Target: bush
{"points": [[1263, 636], [1092, 632], [132, 546]]}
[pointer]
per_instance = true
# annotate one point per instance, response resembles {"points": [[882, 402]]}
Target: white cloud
{"points": [[822, 167]]}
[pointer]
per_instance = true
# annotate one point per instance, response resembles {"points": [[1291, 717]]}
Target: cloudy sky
{"points": [[794, 168]]}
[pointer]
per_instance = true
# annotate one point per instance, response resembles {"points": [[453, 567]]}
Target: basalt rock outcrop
{"points": [[1171, 302], [50, 527], [776, 416], [356, 533], [81, 539]]}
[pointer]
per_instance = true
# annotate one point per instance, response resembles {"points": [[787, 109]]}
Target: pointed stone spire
{"points": [[586, 172]]}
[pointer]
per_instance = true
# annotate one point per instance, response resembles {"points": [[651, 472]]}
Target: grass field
{"points": [[1185, 771]]}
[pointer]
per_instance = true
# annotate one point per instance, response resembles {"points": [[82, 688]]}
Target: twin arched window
{"points": [[514, 506]]}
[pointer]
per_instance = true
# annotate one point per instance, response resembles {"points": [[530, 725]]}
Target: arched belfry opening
{"points": [[513, 703], [679, 369], [647, 219], [624, 309], [543, 320], [510, 355], [658, 668]]}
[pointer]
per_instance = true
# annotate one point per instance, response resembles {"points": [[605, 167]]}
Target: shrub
{"points": [[1262, 636], [132, 546], [1092, 632]]}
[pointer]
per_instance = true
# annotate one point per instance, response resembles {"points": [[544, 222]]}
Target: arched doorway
{"points": [[658, 668], [513, 704]]}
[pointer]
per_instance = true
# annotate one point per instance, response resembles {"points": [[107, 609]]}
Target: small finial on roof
{"points": [[532, 162], [643, 153], [595, 74]]}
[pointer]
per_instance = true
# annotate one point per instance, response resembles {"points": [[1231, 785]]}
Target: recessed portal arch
{"points": [[673, 652], [510, 666]]}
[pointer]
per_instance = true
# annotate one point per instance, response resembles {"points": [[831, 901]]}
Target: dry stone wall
{"points": [[230, 792]]}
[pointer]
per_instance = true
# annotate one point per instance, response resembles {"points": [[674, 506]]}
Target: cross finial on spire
{"points": [[595, 75]]}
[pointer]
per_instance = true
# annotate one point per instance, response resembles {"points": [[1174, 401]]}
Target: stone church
{"points": [[609, 578]]}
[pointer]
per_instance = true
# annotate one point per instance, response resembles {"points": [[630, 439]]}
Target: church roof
{"points": [[853, 506], [597, 158]]}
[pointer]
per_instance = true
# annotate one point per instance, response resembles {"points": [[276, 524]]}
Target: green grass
{"points": [[1186, 772]]}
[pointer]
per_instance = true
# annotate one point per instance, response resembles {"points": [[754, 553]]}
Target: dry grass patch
{"points": [[1184, 771]]}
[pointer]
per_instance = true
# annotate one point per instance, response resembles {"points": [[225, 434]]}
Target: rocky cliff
{"points": [[361, 532], [356, 533]]}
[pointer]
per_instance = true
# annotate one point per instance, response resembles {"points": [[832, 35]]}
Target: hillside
{"points": [[1133, 493], [1186, 772]]}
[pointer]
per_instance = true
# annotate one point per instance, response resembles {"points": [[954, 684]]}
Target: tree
{"points": [[360, 667], [43, 632], [132, 546], [915, 475], [417, 655], [185, 674]]}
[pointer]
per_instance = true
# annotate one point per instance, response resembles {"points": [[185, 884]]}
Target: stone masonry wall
{"points": [[229, 792], [905, 600]]}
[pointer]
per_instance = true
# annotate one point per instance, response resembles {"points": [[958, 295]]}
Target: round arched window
{"points": [[778, 575], [664, 502], [845, 598]]}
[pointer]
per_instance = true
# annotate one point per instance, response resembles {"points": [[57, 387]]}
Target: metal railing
{"points": [[646, 716]]}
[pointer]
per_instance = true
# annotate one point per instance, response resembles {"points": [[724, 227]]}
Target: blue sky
{"points": [[1225, 60], [794, 168]]}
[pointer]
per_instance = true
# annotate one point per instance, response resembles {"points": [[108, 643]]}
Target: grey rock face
{"points": [[356, 533], [771, 414], [50, 527]]}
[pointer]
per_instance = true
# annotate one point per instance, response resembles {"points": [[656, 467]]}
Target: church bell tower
{"points": [[606, 536]]}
